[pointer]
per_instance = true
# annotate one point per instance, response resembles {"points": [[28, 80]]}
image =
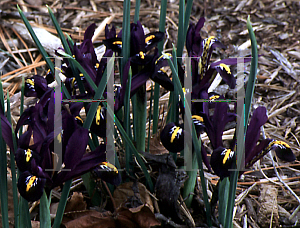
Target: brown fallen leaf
{"points": [[124, 192], [140, 217], [76, 203]]}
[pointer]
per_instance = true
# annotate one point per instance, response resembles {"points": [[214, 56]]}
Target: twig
{"points": [[285, 185], [161, 217]]}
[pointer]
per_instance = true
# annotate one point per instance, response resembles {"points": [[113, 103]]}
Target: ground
{"points": [[277, 30]]}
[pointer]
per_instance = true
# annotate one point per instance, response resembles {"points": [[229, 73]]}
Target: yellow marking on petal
{"points": [[73, 56], [78, 118], [59, 137], [30, 81], [214, 97], [98, 115], [276, 142], [28, 155], [197, 118], [163, 70], [109, 165], [203, 59], [174, 134], [142, 55], [226, 68], [200, 67], [48, 71], [162, 56], [227, 154], [30, 183], [149, 38], [73, 81], [81, 74], [97, 65], [117, 42]]}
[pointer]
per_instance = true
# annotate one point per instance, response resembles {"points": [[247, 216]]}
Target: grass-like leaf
{"points": [[162, 22], [67, 50], [62, 204], [180, 35], [133, 149], [13, 166], [3, 178], [128, 155], [137, 11], [80, 68], [125, 34], [240, 135], [188, 10], [45, 219], [37, 42], [196, 144]]}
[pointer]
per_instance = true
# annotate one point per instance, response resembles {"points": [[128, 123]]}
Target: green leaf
{"points": [[128, 154], [67, 50], [181, 35], [223, 199], [125, 35], [13, 166], [162, 22], [3, 179], [45, 219], [133, 149], [137, 11], [196, 144], [37, 42], [253, 71], [62, 204], [243, 124]]}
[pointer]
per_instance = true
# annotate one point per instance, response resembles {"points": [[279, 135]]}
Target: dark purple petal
{"points": [[138, 80], [172, 137], [86, 61], [25, 157], [6, 130], [257, 152], [35, 86], [110, 33], [231, 61], [115, 44], [89, 32], [119, 101], [226, 75], [152, 39], [258, 119], [137, 39], [204, 157], [282, 150], [87, 163], [162, 78], [31, 187], [221, 161], [108, 173], [76, 147]]}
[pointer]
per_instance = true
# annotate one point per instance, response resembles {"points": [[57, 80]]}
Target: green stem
{"points": [[137, 11], [162, 22], [45, 219], [243, 123], [62, 204]]}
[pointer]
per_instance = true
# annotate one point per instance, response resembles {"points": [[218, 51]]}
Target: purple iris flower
{"points": [[223, 158], [35, 155]]}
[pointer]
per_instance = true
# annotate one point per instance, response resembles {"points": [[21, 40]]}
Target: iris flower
{"points": [[143, 63], [35, 155], [172, 137], [201, 50], [223, 158]]}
